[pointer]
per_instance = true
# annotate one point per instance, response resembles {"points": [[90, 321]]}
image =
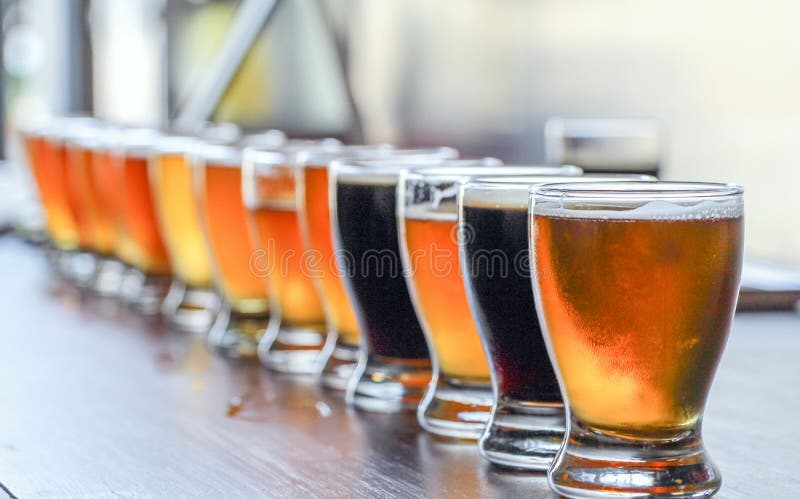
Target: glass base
{"points": [[455, 410], [523, 435], [235, 335], [151, 295], [108, 279], [295, 350], [80, 268], [131, 285], [190, 309], [388, 385], [340, 366], [53, 256], [594, 464]]}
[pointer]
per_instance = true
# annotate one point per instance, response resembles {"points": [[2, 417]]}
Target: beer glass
{"points": [[116, 278], [245, 310], [315, 225], [636, 286], [527, 422], [142, 247], [191, 304], [296, 336], [87, 158], [45, 162], [78, 264], [77, 142], [459, 396], [394, 367]]}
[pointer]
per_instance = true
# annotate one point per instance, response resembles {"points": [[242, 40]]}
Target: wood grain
{"points": [[98, 403]]}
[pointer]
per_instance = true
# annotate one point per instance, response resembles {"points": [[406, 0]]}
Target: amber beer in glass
{"points": [[117, 277], [191, 304], [87, 155], [245, 311], [636, 286], [141, 242], [79, 159], [315, 224], [47, 160], [526, 426], [459, 397], [70, 221], [297, 334]]}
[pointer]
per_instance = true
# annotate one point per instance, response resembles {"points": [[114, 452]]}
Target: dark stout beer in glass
{"points": [[527, 425], [394, 369]]}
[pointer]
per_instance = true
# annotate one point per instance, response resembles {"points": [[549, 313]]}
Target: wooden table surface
{"points": [[99, 403]]}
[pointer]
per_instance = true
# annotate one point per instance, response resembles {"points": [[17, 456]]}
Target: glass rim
{"points": [[464, 173], [176, 144], [217, 154], [529, 181], [74, 130], [632, 190], [292, 149], [256, 156], [137, 142], [397, 172], [347, 152], [298, 145], [87, 139], [394, 163]]}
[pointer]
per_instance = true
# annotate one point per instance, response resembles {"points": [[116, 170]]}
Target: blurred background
{"points": [[692, 90]]}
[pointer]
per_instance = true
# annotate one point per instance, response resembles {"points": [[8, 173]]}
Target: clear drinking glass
{"points": [[297, 334], [87, 161], [459, 397], [49, 172], [527, 421], [141, 245], [315, 224], [69, 138], [192, 304], [636, 286], [245, 311], [102, 179], [394, 367]]}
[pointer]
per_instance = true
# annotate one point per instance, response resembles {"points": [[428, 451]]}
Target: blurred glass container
{"points": [[43, 159], [67, 220], [88, 160], [605, 145], [191, 304], [297, 334], [244, 315], [142, 245]]}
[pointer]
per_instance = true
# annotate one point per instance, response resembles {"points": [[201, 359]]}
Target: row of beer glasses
{"points": [[405, 278], [609, 252]]}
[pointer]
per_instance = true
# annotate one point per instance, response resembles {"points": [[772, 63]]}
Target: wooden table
{"points": [[99, 403]]}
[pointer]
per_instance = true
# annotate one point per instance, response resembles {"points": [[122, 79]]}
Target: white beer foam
{"points": [[426, 212], [512, 192], [652, 210], [383, 179], [513, 196]]}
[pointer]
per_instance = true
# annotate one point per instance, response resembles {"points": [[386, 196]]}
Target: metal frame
{"points": [[252, 17]]}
